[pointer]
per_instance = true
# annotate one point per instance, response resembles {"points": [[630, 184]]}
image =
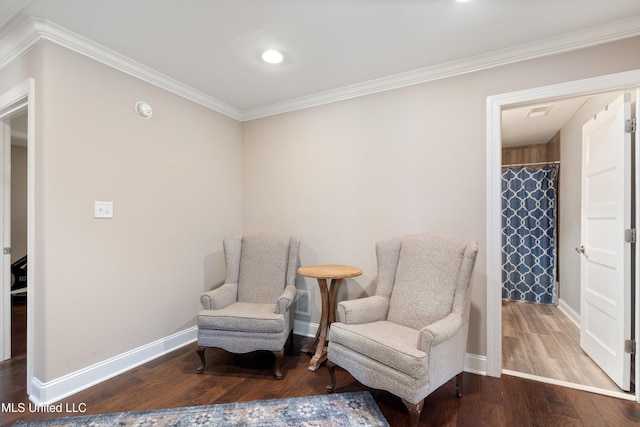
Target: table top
{"points": [[329, 271]]}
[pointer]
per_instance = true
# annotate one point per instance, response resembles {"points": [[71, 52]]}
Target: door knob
{"points": [[580, 250]]}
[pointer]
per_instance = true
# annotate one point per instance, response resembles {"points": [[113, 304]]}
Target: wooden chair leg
{"points": [[332, 371], [277, 365], [415, 409], [200, 352], [459, 384]]}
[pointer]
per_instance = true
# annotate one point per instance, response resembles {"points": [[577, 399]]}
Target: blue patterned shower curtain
{"points": [[529, 234]]}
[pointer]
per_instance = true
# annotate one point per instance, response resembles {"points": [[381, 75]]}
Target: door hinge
{"points": [[630, 125], [630, 346], [6, 251], [630, 235]]}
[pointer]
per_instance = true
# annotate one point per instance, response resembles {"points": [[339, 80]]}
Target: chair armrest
{"points": [[286, 299], [439, 331], [220, 297], [363, 310]]}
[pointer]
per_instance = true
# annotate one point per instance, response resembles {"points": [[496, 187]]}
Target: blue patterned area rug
{"points": [[339, 409]]}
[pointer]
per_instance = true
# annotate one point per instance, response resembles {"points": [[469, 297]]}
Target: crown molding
{"points": [[31, 30], [16, 42], [571, 41]]}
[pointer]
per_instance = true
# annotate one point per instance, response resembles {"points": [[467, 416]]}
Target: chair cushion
{"points": [[426, 277], [263, 267], [244, 317], [389, 343]]}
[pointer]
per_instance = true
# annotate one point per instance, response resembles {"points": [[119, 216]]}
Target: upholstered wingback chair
{"points": [[252, 310], [410, 337]]}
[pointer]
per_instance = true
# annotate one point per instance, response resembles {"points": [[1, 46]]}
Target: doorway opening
{"points": [[532, 99], [540, 320], [17, 111], [19, 259]]}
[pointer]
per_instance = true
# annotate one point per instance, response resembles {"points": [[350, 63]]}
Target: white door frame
{"points": [[629, 80], [10, 102]]}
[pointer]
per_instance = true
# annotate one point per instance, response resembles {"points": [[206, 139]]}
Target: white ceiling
{"points": [[519, 127], [333, 49]]}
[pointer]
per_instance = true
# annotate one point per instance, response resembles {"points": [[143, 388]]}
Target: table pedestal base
{"points": [[318, 347], [317, 359]]}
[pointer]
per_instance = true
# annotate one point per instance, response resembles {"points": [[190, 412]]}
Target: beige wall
{"points": [[345, 175], [31, 65], [341, 176], [104, 287]]}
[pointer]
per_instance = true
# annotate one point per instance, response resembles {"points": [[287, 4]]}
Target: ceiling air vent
{"points": [[539, 111]]}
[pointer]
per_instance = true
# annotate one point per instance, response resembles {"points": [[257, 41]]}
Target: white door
{"points": [[606, 258], [635, 281]]}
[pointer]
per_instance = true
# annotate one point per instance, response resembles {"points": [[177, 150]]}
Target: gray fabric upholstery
{"points": [[363, 310], [410, 337], [384, 341], [220, 297], [286, 300], [263, 267], [232, 246], [426, 275], [241, 317], [229, 341], [252, 309]]}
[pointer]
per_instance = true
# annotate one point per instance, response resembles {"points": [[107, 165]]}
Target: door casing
{"points": [[629, 80], [12, 102]]}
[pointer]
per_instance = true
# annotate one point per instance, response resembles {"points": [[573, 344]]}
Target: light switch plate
{"points": [[103, 210]]}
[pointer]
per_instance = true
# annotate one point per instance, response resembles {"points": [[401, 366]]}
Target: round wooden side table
{"points": [[322, 273]]}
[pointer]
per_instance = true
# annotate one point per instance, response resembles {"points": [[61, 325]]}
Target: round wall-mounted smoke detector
{"points": [[143, 109]]}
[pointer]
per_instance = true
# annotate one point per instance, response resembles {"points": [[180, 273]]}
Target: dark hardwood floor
{"points": [[171, 381]]}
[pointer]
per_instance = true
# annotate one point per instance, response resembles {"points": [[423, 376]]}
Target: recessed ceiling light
{"points": [[272, 56]]}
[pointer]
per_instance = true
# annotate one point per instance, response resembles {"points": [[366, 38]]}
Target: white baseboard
{"points": [[475, 364], [305, 329], [570, 312], [45, 393], [590, 389]]}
